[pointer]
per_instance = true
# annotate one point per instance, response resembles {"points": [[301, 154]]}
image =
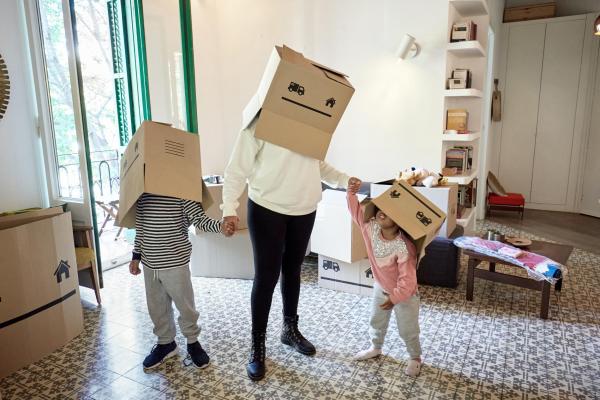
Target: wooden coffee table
{"points": [[557, 252]]}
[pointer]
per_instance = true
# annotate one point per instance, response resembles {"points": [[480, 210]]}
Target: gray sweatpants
{"points": [[407, 318], [167, 286]]}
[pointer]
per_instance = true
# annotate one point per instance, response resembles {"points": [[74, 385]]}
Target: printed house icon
{"points": [[63, 268]]}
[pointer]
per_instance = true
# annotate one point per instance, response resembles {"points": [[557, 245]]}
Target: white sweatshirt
{"points": [[278, 179]]}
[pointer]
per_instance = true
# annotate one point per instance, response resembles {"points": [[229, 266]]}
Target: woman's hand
{"points": [[227, 228], [354, 185], [229, 225], [387, 305]]}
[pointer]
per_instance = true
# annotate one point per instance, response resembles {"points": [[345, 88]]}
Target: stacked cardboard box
{"points": [[216, 256]]}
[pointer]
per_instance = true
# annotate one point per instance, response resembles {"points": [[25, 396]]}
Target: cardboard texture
{"points": [[420, 218], [215, 256], [40, 308], [342, 276], [160, 160], [215, 193], [334, 233], [299, 103], [445, 197]]}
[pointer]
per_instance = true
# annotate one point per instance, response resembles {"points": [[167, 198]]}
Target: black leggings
{"points": [[279, 243]]}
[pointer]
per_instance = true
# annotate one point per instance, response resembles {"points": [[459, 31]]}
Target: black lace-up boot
{"points": [[256, 366], [291, 336]]}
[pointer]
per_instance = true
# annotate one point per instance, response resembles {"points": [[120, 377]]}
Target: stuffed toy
{"points": [[421, 177]]}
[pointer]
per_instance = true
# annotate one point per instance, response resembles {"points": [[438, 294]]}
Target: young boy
{"points": [[163, 246]]}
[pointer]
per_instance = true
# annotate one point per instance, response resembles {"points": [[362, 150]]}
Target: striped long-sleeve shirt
{"points": [[162, 223]]}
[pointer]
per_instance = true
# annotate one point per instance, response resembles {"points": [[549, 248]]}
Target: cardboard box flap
{"points": [[338, 78], [295, 57], [12, 221], [326, 68]]}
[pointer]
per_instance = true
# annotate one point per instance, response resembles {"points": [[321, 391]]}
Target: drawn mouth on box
{"points": [[37, 310], [305, 106]]}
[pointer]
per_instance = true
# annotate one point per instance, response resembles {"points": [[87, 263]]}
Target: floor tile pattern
{"points": [[495, 347]]}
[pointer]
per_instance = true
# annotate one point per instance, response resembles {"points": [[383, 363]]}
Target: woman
{"points": [[284, 188]]}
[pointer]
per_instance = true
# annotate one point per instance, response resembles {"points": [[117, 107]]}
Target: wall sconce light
{"points": [[597, 26], [408, 48]]}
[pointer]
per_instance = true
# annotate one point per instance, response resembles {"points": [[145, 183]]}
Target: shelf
{"points": [[463, 93], [470, 8], [471, 48], [463, 179], [468, 215], [461, 137]]}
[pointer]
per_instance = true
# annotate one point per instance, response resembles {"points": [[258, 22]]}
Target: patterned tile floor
{"points": [[495, 347]]}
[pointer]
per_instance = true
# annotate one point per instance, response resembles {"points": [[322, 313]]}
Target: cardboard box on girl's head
{"points": [[299, 103], [160, 160], [417, 216]]}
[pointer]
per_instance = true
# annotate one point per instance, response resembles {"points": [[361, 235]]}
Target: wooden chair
{"points": [[86, 256]]}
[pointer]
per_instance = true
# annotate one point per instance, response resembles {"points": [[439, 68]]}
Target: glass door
{"points": [[61, 119]]}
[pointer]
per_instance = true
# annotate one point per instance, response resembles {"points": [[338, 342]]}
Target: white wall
{"points": [[21, 178], [395, 118], [563, 7]]}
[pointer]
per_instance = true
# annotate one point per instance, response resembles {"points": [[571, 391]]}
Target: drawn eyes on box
{"points": [[299, 89], [174, 148]]}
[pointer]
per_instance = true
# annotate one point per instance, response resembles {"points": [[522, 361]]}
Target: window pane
{"points": [[61, 100], [165, 61]]}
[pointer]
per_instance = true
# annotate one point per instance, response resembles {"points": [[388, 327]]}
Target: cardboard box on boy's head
{"points": [[299, 103], [417, 216], [160, 160]]}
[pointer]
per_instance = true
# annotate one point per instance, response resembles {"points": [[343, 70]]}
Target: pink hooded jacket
{"points": [[395, 273]]}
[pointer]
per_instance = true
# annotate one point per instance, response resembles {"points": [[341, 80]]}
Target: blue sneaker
{"points": [[197, 355], [160, 353]]}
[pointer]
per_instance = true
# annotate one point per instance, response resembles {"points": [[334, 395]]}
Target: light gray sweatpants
{"points": [[407, 318], [167, 286]]}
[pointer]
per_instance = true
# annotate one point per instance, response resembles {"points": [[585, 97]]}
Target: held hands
{"points": [[354, 185], [229, 225], [387, 305], [134, 267]]}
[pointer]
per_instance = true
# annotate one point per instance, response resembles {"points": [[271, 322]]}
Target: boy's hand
{"points": [[227, 228], [354, 185], [134, 267], [387, 305]]}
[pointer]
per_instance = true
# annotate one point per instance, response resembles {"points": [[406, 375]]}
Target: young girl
{"points": [[393, 262]]}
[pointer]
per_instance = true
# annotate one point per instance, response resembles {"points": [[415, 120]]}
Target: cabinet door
{"points": [[520, 114], [556, 118]]}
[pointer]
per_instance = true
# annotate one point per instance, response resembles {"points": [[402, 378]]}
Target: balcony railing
{"points": [[105, 174]]}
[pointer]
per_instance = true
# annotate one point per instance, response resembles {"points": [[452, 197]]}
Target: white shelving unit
{"points": [[461, 137], [463, 179], [470, 55], [463, 93], [470, 48], [470, 8], [467, 219]]}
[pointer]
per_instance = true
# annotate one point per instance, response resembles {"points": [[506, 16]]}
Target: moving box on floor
{"points": [[40, 308]]}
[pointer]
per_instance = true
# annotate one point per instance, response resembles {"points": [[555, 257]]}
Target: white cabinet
{"points": [[545, 86]]}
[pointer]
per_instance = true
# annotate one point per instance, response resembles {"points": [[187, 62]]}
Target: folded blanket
{"points": [[537, 266]]}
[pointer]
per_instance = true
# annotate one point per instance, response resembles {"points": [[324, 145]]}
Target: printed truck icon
{"points": [[328, 264], [295, 87], [424, 220]]}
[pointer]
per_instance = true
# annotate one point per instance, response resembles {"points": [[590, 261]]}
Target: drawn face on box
{"points": [[309, 94]]}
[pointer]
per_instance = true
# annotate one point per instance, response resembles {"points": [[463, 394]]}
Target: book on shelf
{"points": [[461, 158]]}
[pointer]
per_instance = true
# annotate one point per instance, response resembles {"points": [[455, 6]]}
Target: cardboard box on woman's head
{"points": [[417, 216], [299, 103], [160, 160]]}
